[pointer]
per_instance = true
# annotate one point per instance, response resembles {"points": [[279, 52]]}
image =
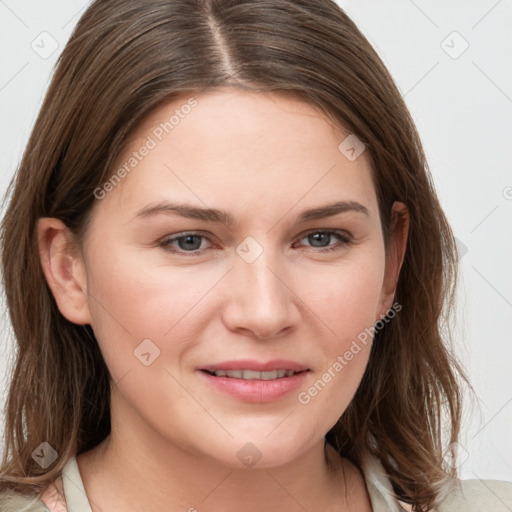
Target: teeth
{"points": [[252, 375]]}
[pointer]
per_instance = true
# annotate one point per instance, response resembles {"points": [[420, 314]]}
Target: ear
{"points": [[64, 269], [394, 255]]}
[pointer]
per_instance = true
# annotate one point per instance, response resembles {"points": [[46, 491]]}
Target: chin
{"points": [[259, 451]]}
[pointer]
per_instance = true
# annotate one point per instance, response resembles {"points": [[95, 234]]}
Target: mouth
{"points": [[250, 369], [253, 381], [253, 375]]}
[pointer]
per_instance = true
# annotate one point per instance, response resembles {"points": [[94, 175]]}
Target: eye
{"points": [[195, 243], [320, 239], [185, 243]]}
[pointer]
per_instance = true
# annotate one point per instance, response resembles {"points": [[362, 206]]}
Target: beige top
{"points": [[68, 494]]}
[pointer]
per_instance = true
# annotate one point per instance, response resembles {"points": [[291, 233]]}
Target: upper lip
{"points": [[257, 366]]}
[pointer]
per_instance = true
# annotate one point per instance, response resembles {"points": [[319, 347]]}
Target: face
{"points": [[242, 238]]}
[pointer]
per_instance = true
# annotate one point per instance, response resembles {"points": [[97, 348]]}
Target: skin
{"points": [[264, 158]]}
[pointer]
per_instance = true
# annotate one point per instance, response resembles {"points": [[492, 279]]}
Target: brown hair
{"points": [[125, 58]]}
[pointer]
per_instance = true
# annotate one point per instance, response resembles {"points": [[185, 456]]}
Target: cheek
{"points": [[345, 297], [131, 302], [347, 301]]}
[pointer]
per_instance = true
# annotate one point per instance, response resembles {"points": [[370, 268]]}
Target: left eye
{"points": [[321, 237], [192, 242]]}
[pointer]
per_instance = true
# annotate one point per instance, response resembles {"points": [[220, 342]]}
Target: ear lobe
{"points": [[395, 253], [64, 269]]}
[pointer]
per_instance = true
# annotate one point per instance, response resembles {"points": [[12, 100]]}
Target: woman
{"points": [[226, 269]]}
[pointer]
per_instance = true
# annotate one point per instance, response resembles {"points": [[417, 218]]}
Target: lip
{"points": [[255, 391], [251, 364]]}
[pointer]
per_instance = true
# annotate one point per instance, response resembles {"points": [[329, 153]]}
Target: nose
{"points": [[261, 300]]}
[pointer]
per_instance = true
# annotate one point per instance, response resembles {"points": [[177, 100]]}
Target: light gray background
{"points": [[462, 104]]}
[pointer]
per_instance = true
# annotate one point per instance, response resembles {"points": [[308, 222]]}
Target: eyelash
{"points": [[345, 240]]}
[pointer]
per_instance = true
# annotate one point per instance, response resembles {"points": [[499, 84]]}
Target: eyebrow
{"points": [[224, 217]]}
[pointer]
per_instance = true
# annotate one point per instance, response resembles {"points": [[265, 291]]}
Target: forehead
{"points": [[238, 147]]}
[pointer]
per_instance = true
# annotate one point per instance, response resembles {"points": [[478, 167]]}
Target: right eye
{"points": [[185, 243]]}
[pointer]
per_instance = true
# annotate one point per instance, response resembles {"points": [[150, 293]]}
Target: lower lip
{"points": [[257, 391]]}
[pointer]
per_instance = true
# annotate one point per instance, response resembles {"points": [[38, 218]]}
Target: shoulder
{"points": [[478, 496], [457, 496], [14, 501]]}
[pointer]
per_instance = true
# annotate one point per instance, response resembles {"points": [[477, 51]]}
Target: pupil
{"points": [[317, 237]]}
